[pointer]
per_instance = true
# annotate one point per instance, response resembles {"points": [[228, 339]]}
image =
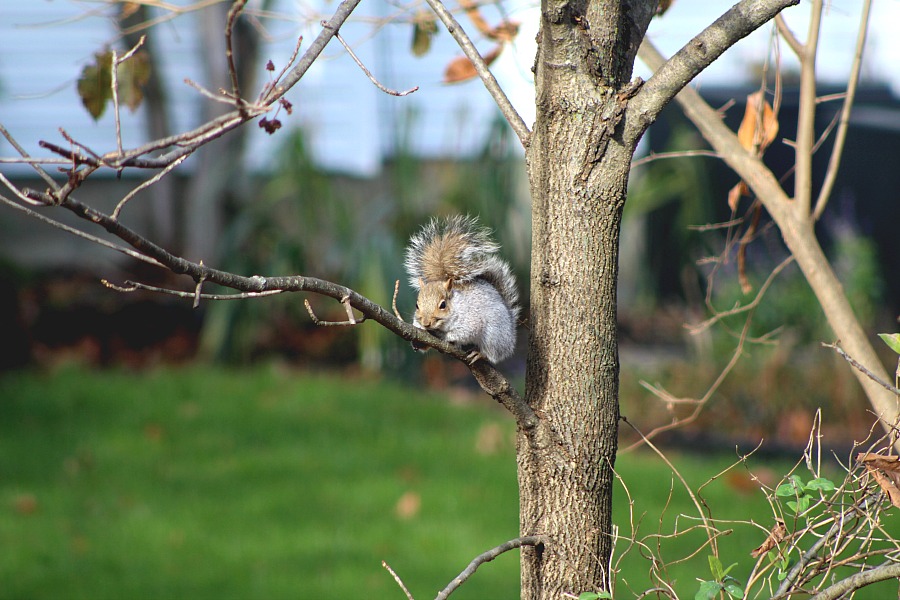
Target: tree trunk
{"points": [[578, 169]]}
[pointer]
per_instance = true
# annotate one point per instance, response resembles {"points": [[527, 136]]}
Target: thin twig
{"points": [[351, 320], [145, 185], [711, 532], [506, 108], [114, 84], [368, 73], [841, 135], [806, 119], [529, 540], [79, 233], [133, 286], [222, 97], [394, 301], [233, 13], [699, 328], [22, 152], [788, 35], [862, 369], [18, 193], [680, 154], [859, 580], [198, 289], [398, 580]]}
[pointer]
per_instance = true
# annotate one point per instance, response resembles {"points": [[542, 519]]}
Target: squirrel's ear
{"points": [[421, 283], [448, 285]]}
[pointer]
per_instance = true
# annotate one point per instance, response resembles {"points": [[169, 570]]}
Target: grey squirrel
{"points": [[466, 292]]}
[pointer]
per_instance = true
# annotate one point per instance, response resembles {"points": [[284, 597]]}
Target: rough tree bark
{"points": [[590, 116], [578, 168]]}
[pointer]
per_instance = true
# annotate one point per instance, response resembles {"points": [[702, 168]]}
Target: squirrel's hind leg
{"points": [[474, 356]]}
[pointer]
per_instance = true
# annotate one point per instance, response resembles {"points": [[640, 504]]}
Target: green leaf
{"points": [[734, 590], [727, 571], [715, 567], [595, 596], [94, 85], [820, 483], [708, 590], [802, 504], [424, 28], [791, 487], [892, 340], [132, 75], [793, 506]]}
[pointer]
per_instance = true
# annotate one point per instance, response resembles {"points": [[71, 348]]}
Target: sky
{"points": [[351, 125]]}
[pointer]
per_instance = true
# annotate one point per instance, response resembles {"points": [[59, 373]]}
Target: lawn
{"points": [[266, 483]]}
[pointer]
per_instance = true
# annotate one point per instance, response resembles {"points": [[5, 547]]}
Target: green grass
{"points": [[262, 483]]}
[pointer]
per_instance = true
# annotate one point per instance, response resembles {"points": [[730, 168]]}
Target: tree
{"points": [[590, 116]]}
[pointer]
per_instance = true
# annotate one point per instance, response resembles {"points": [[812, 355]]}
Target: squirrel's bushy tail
{"points": [[460, 249]]}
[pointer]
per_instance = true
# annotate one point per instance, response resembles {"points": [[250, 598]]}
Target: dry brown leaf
{"points": [[775, 536], [504, 32], [886, 472], [128, 9], [760, 126], [461, 68], [735, 195], [746, 286], [474, 13]]}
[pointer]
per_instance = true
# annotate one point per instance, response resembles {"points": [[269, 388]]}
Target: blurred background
{"points": [[150, 449]]}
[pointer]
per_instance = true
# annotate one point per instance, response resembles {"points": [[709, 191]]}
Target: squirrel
{"points": [[466, 292]]}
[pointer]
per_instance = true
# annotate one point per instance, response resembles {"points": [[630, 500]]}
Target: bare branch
{"points": [[233, 13], [145, 185], [806, 119], [368, 73], [398, 580], [37, 167], [79, 233], [133, 286], [506, 108], [859, 580], [394, 300], [114, 73], [862, 369], [695, 329], [841, 136], [530, 540], [351, 320], [670, 77], [654, 156], [788, 35]]}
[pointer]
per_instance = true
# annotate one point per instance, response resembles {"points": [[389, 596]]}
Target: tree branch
{"points": [[530, 540], [841, 135], [859, 580], [368, 73], [806, 120], [670, 77], [506, 108], [861, 368]]}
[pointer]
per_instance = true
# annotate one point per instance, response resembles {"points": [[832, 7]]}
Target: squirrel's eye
{"points": [[443, 304], [417, 306]]}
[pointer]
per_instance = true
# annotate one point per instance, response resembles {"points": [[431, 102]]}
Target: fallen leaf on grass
{"points": [[408, 505]]}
